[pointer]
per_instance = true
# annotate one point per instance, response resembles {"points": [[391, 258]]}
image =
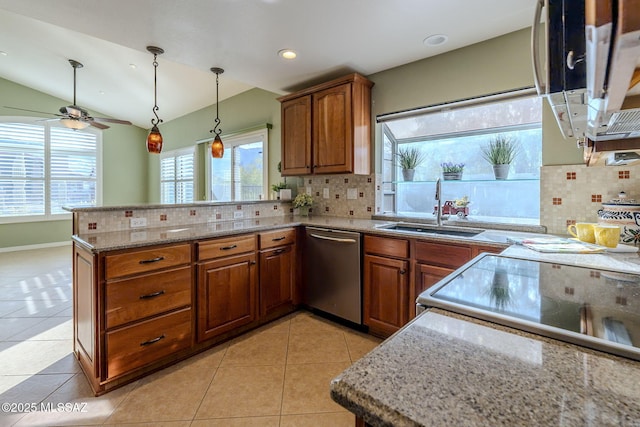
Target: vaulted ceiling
{"points": [[331, 37]]}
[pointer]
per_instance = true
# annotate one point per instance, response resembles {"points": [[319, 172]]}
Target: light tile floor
{"points": [[277, 375]]}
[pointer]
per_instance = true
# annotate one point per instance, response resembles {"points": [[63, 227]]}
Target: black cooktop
{"points": [[591, 307]]}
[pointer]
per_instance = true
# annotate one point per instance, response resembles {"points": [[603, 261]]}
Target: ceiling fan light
{"points": [[154, 141], [217, 148], [74, 124]]}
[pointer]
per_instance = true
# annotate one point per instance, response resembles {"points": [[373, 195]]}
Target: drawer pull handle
{"points": [[153, 295], [153, 341], [151, 261], [277, 239], [226, 248], [278, 251]]}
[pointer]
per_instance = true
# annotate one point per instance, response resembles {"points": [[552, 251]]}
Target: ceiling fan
{"points": [[74, 117]]}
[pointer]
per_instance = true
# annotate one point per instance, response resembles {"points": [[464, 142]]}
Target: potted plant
{"points": [[276, 188], [500, 153], [409, 159], [451, 171], [303, 202]]}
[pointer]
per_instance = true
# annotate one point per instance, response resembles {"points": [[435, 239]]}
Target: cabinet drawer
{"points": [[443, 254], [133, 262], [137, 345], [134, 299], [271, 239], [397, 248], [219, 248]]}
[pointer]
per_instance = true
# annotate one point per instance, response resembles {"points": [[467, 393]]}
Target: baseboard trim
{"points": [[37, 246]]}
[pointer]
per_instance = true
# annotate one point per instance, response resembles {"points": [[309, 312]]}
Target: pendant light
{"points": [[154, 140], [217, 148]]}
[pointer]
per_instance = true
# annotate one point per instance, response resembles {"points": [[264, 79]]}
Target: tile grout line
{"points": [[193, 417]]}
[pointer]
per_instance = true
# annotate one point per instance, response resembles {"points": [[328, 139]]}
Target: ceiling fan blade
{"points": [[97, 125], [104, 119], [34, 111]]}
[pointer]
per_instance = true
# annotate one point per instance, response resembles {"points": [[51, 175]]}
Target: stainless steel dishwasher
{"points": [[331, 275]]}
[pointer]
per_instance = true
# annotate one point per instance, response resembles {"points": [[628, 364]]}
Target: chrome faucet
{"points": [[439, 199]]}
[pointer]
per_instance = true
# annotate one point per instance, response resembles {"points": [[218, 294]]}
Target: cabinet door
{"points": [[386, 290], [296, 136], [276, 280], [426, 276], [226, 295], [333, 130]]}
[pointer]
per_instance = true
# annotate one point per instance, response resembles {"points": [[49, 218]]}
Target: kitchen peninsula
{"points": [[197, 274]]}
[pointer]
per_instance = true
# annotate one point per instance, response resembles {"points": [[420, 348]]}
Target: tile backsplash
{"points": [[353, 196], [568, 194], [574, 193], [111, 219]]}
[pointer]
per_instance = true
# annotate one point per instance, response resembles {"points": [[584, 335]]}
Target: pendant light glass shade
{"points": [[217, 147], [154, 140]]}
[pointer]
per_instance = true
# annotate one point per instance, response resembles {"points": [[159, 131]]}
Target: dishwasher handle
{"points": [[333, 239]]}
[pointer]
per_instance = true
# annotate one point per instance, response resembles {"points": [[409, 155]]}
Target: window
{"points": [[44, 167], [177, 176], [241, 174], [457, 133]]}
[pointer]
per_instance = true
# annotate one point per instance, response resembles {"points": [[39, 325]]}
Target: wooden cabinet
{"points": [[141, 343], [132, 309], [144, 292], [296, 136], [386, 284], [390, 290], [327, 128], [277, 272], [227, 285]]}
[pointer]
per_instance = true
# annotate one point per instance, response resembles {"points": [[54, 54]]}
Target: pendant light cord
{"points": [[217, 119], [157, 120]]}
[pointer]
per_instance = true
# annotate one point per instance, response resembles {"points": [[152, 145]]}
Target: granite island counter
{"points": [[445, 368]]}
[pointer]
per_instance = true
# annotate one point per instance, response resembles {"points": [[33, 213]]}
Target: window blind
{"points": [[177, 172], [43, 168]]}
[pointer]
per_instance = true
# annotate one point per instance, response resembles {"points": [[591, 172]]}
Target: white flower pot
{"points": [[501, 171]]}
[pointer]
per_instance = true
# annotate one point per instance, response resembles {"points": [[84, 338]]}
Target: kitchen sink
{"points": [[428, 229]]}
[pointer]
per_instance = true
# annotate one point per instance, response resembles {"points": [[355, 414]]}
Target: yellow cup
{"points": [[584, 231], [607, 235]]}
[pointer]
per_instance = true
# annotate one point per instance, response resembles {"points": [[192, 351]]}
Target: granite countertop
{"points": [[99, 242], [443, 369], [628, 262]]}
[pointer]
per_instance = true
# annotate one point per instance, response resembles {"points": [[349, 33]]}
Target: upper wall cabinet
{"points": [[327, 128]]}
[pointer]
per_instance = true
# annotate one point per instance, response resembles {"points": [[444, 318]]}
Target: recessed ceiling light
{"points": [[435, 40], [133, 66], [287, 54], [101, 92], [3, 53]]}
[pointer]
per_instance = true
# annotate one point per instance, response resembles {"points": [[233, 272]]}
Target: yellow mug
{"points": [[584, 231], [607, 235]]}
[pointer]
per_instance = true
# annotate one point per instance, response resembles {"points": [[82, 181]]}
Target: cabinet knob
{"points": [[403, 271], [252, 263]]}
